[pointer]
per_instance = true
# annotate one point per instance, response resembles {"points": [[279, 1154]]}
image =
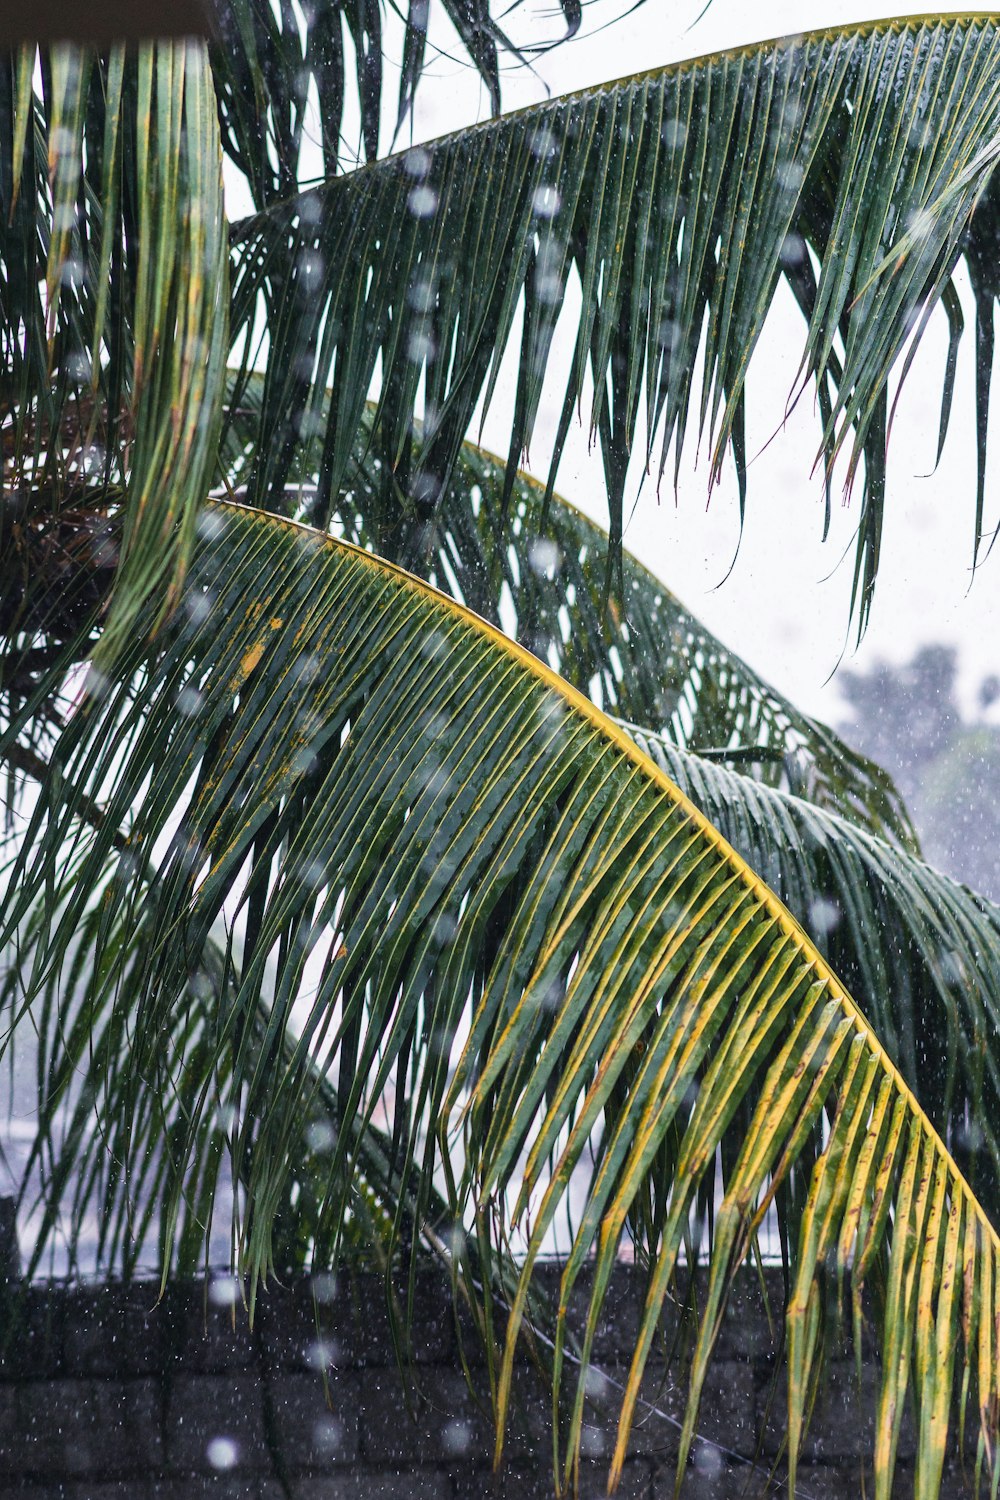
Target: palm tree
{"points": [[344, 920]]}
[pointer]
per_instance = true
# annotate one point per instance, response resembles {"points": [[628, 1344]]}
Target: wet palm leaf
{"points": [[110, 181], [535, 566], [677, 200], [114, 1210], [920, 951], [422, 841], [267, 59]]}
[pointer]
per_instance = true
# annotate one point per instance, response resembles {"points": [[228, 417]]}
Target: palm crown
{"points": [[345, 921]]}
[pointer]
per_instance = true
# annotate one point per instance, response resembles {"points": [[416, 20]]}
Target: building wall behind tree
{"points": [[111, 1393]]}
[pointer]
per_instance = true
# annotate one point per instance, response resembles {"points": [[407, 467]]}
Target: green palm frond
{"points": [[920, 951], [116, 1209], [423, 843], [535, 565], [115, 360], [850, 162], [267, 59]]}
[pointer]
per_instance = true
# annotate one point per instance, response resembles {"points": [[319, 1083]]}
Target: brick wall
{"points": [[110, 1394]]}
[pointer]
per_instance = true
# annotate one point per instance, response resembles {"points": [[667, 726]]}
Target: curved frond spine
{"points": [[918, 949], [536, 565], [425, 841]]}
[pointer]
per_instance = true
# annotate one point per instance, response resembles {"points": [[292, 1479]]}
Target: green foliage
{"points": [[850, 163], [536, 566], [415, 862], [342, 920], [919, 950], [117, 358], [266, 60]]}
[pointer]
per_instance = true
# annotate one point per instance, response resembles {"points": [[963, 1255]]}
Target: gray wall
{"points": [[110, 1394]]}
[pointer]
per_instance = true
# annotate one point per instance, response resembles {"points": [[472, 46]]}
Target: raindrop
{"points": [[824, 916], [547, 284], [446, 928], [544, 557], [599, 1387], [456, 1438], [310, 271], [324, 1286], [189, 701], [210, 525], [93, 458], [422, 294], [71, 274], [790, 175], [708, 1461], [96, 685], [328, 1435], [971, 1136], [435, 780], [548, 999], [420, 347], [593, 1443], [417, 163], [224, 1291], [200, 985], [551, 711], [422, 201], [434, 645], [791, 114], [312, 873], [544, 142], [793, 250], [310, 423], [434, 725], [303, 761], [545, 201], [320, 1136], [78, 366], [198, 606], [668, 334], [322, 1354], [425, 488], [222, 1453], [921, 224], [674, 135], [62, 142], [307, 667]]}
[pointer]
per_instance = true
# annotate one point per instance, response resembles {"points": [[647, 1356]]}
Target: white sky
{"points": [[784, 604]]}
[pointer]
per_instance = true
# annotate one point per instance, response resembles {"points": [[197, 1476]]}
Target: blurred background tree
{"points": [[909, 719]]}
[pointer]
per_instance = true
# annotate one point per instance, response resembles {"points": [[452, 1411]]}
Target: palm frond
{"points": [[267, 59], [851, 162], [422, 842], [115, 359], [114, 1209], [535, 566], [920, 951]]}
